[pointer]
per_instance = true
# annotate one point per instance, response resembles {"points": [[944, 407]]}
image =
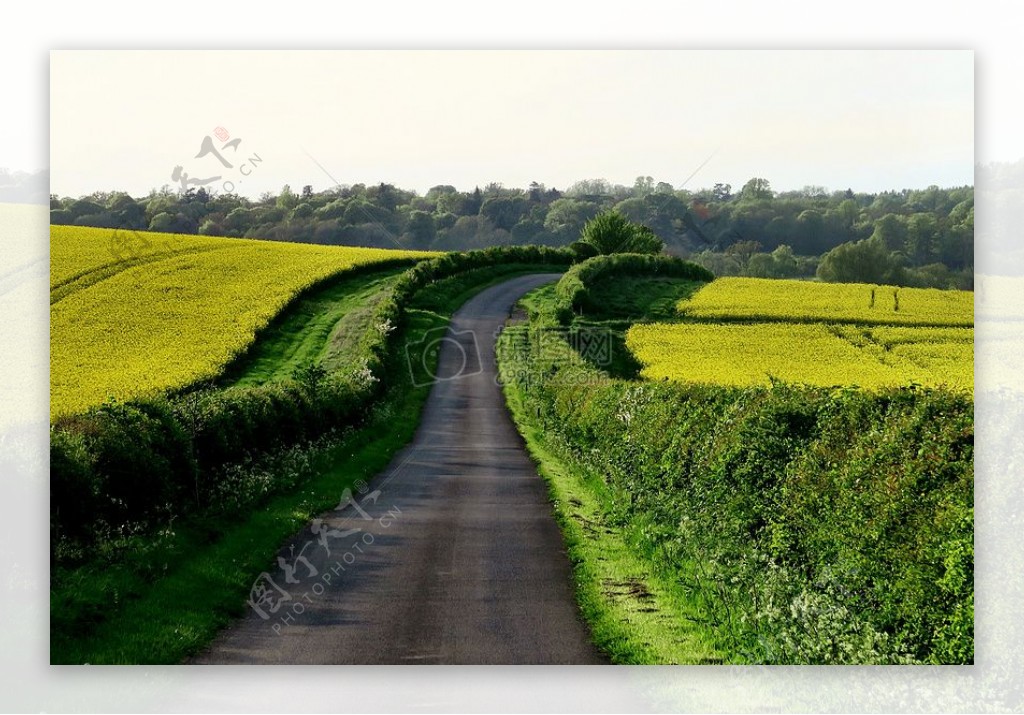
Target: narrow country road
{"points": [[457, 558]]}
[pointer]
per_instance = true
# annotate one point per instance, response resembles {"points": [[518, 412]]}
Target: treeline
{"points": [[910, 237]]}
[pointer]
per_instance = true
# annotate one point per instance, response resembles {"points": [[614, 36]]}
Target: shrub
{"points": [[818, 525], [610, 232], [573, 289]]}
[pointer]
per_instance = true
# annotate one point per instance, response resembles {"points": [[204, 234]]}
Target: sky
{"points": [[867, 120]]}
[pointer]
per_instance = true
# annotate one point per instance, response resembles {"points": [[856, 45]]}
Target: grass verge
{"points": [[325, 326], [635, 615]]}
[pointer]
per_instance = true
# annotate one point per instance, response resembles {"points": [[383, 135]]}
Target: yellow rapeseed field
{"points": [[768, 300], [812, 333], [744, 355], [166, 311]]}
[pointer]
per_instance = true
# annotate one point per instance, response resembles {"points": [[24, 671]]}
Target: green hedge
{"points": [[819, 526], [573, 291], [126, 466]]}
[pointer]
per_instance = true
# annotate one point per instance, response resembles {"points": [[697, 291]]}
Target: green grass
{"points": [[114, 613], [641, 299], [636, 615], [323, 327], [624, 300], [162, 598]]}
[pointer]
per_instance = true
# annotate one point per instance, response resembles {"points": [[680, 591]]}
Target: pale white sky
{"points": [[869, 120]]}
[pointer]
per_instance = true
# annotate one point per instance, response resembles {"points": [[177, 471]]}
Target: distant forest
{"points": [[910, 237]]}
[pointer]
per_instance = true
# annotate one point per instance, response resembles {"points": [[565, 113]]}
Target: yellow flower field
{"points": [[754, 354], [77, 251], [769, 299], [749, 331], [168, 311]]}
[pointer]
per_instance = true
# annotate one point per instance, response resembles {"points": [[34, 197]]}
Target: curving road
{"points": [[451, 555]]}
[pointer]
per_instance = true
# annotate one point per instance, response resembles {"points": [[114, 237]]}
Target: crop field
{"points": [[747, 331], [80, 254], [157, 312], [769, 299], [745, 355]]}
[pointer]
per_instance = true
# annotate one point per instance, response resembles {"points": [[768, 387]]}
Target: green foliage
{"points": [[818, 525], [574, 288], [933, 225], [611, 232], [866, 261]]}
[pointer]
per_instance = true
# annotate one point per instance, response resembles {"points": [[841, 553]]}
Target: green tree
{"points": [[757, 189], [566, 217], [866, 261], [785, 264], [287, 200], [504, 211], [420, 232], [922, 238], [163, 222], [611, 232], [891, 230]]}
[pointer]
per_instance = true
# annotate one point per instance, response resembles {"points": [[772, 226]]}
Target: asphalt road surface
{"points": [[457, 558]]}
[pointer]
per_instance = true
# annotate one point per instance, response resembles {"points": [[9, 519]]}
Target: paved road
{"points": [[458, 558]]}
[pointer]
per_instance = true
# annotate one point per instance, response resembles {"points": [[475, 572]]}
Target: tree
{"points": [[567, 217], [301, 211], [642, 186], [163, 223], [287, 200], [810, 232], [721, 193], [756, 189], [504, 212], [785, 262], [866, 261], [922, 238], [743, 250], [590, 187], [892, 231], [420, 232], [611, 232], [760, 265], [435, 192]]}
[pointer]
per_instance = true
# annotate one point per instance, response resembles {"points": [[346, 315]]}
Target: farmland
{"points": [[823, 355], [768, 300], [745, 332], [150, 313], [711, 481]]}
